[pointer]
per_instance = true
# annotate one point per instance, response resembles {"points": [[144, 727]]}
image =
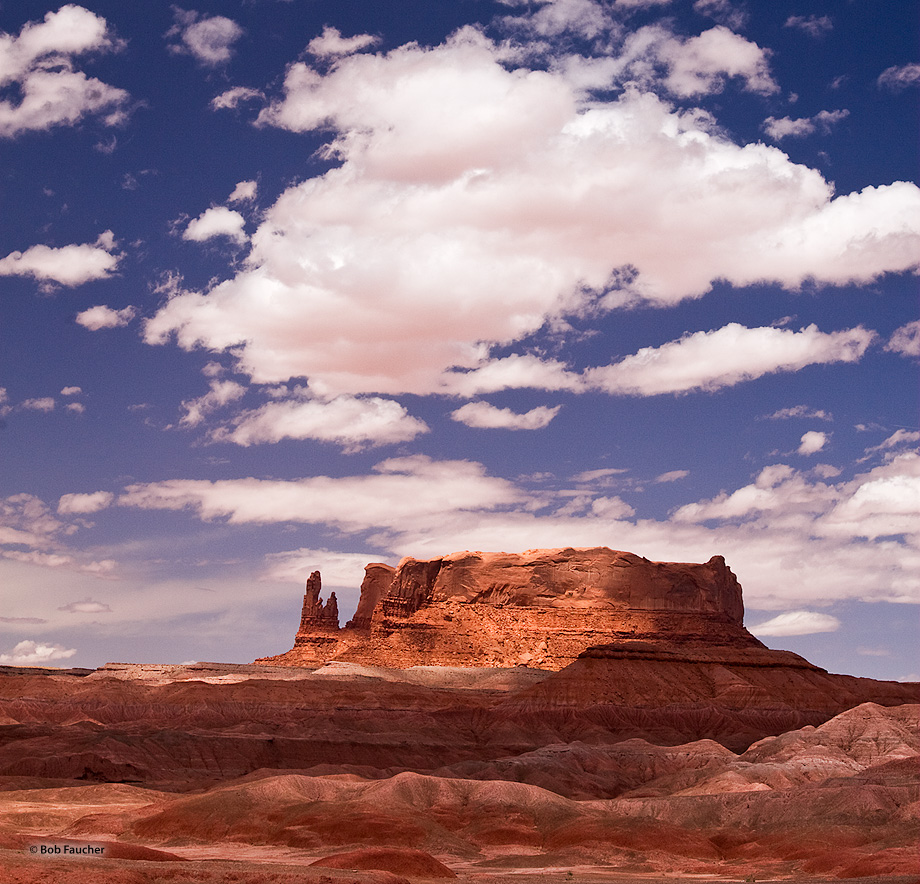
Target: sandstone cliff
{"points": [[540, 608]]}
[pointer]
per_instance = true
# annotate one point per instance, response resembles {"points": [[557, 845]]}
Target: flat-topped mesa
{"points": [[540, 608]]}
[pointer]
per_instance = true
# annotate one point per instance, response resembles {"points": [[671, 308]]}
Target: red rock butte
{"points": [[542, 608]]}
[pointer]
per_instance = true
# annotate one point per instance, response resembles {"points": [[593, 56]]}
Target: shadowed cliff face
{"points": [[540, 608]]}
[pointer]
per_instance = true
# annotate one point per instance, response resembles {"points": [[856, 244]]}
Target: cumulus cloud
{"points": [[30, 653], [485, 416], [353, 422], [796, 623], [71, 391], [900, 76], [70, 265], [220, 393], [725, 357], [216, 221], [38, 64], [70, 504], [244, 192], [475, 202], [208, 38], [100, 316], [813, 25], [785, 127], [44, 403], [905, 340], [332, 43], [812, 442]]}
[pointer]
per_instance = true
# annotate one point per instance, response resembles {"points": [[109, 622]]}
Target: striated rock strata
{"points": [[540, 608]]}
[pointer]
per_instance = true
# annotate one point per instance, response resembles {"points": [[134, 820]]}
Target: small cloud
{"points": [[900, 77], [672, 476], [29, 653], [75, 407], [332, 43], [245, 191], [800, 411], [905, 340], [482, 415], [812, 442], [897, 439], [873, 652], [220, 394], [598, 475], [71, 391], [209, 39], [100, 316], [813, 25], [796, 623], [87, 606], [34, 620], [232, 97], [70, 265], [46, 403], [70, 504], [214, 222], [723, 12], [786, 127]]}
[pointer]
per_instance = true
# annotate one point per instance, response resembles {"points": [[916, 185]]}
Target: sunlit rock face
{"points": [[541, 608]]}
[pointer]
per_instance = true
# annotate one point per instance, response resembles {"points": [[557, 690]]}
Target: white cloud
{"points": [[221, 393], [672, 476], [800, 411], [897, 439], [353, 422], [233, 97], [486, 416], [87, 606], [84, 503], [401, 490], [604, 474], [75, 407], [812, 442], [512, 372], [813, 25], [796, 623], [71, 391], [45, 403], [724, 357], [100, 316], [792, 539], [332, 43], [905, 340], [38, 64], [900, 76], [244, 192], [338, 569], [68, 265], [30, 653], [785, 127], [722, 11], [475, 203], [209, 38], [699, 65], [216, 221]]}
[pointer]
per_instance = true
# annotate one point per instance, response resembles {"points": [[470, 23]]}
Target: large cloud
{"points": [[474, 202], [38, 63], [794, 539]]}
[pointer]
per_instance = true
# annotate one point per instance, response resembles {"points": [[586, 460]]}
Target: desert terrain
{"points": [[661, 754]]}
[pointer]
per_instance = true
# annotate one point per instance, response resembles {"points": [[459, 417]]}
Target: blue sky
{"points": [[298, 285]]}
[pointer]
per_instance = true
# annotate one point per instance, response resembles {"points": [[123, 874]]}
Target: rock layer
{"points": [[540, 608]]}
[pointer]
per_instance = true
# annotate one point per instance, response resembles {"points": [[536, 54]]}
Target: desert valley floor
{"points": [[248, 774]]}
